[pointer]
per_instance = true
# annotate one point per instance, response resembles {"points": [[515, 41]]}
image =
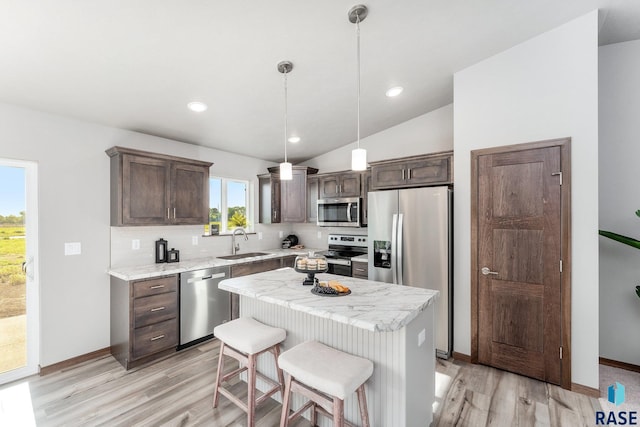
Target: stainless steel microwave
{"points": [[341, 212]]}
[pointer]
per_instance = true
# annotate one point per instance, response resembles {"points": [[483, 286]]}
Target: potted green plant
{"points": [[626, 240]]}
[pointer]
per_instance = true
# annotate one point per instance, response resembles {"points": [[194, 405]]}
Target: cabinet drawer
{"points": [[153, 338], [145, 288], [360, 270], [289, 261], [255, 267], [154, 309]]}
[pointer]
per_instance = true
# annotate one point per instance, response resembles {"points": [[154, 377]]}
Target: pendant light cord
{"points": [[358, 62], [285, 116]]}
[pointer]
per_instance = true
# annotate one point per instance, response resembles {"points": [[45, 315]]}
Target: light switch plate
{"points": [[135, 244], [73, 248], [194, 240], [319, 234], [281, 234], [259, 235]]}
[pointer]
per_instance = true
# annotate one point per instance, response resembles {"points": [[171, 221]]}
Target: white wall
{"points": [[428, 133], [619, 199], [74, 207], [544, 88]]}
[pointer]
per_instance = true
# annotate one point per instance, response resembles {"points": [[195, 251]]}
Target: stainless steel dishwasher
{"points": [[202, 305]]}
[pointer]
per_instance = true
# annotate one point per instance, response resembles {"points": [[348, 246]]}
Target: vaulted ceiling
{"points": [[136, 64]]}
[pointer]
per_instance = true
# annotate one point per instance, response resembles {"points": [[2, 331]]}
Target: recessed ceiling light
{"points": [[294, 139], [394, 91], [197, 106]]}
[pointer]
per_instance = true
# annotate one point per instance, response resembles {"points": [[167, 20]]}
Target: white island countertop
{"points": [[373, 306]]}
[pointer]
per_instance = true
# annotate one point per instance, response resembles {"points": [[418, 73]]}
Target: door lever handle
{"points": [[486, 271]]}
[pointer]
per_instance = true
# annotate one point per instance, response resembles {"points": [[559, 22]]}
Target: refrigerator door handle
{"points": [[394, 236], [399, 249]]}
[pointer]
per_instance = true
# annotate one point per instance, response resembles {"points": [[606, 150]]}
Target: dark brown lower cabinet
{"points": [[144, 313], [289, 261], [359, 269], [144, 319], [240, 270]]}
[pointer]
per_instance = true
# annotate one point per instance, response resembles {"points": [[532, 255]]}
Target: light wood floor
{"points": [[477, 395], [178, 391]]}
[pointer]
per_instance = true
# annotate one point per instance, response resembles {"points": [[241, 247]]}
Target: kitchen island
{"points": [[388, 324]]}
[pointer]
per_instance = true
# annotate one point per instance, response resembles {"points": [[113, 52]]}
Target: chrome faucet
{"points": [[235, 247]]}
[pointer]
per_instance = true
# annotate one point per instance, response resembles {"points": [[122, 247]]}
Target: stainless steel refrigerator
{"points": [[410, 243]]}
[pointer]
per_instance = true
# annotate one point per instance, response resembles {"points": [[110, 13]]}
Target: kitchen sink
{"points": [[241, 256]]}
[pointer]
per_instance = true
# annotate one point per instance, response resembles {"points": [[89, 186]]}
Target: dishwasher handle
{"points": [[209, 277]]}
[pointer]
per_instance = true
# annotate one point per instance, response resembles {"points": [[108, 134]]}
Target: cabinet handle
{"points": [[159, 337], [403, 174], [158, 309], [409, 173], [168, 215], [156, 287], [360, 269], [174, 213], [337, 191]]}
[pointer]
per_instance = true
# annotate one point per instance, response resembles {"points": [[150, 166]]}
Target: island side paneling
{"points": [[402, 389]]}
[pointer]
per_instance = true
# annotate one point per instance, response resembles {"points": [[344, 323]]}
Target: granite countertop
{"points": [[155, 270], [374, 306], [361, 258]]}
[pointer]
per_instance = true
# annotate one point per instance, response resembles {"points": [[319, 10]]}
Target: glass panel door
{"points": [[18, 270]]}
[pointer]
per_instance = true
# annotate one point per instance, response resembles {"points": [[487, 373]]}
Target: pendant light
{"points": [[286, 172], [357, 14]]}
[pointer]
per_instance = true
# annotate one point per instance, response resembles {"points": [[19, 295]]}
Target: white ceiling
{"points": [[136, 64]]}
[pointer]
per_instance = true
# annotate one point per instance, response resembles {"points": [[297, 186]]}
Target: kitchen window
{"points": [[229, 204]]}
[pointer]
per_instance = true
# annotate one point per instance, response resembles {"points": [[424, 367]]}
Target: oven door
{"points": [[339, 212], [339, 266]]}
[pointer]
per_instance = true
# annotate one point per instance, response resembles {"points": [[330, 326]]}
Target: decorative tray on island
{"points": [[330, 289]]}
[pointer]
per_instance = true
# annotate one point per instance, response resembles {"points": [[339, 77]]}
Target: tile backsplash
{"points": [[180, 237]]}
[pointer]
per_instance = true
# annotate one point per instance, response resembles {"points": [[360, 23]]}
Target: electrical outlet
{"points": [[422, 336], [135, 244], [319, 234], [281, 234], [194, 240], [74, 248], [259, 235]]}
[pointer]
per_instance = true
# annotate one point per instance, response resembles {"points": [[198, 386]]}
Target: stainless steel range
{"points": [[343, 247]]}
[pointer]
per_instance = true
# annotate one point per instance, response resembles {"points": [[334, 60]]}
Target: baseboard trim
{"points": [[583, 389], [461, 357], [621, 365], [45, 370]]}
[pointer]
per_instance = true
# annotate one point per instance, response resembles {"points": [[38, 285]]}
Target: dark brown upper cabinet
{"points": [[312, 199], [156, 189], [294, 197], [269, 199], [344, 184], [415, 171], [283, 201], [366, 185]]}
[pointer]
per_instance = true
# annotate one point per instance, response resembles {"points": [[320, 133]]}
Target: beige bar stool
{"points": [[326, 376], [245, 339]]}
